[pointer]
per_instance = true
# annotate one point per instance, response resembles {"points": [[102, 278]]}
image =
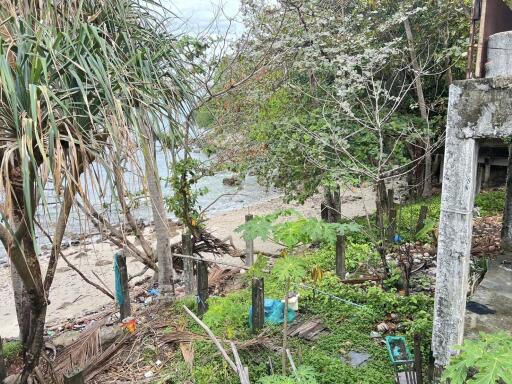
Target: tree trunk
{"points": [[332, 201], [21, 302], [163, 246], [506, 229], [427, 180]]}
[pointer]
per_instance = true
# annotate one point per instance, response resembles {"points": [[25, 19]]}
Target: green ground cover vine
{"points": [[349, 327]]}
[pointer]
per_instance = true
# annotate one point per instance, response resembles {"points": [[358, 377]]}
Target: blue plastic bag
{"points": [[274, 312]]}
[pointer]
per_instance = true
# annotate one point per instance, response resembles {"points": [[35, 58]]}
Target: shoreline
{"points": [[72, 297]]}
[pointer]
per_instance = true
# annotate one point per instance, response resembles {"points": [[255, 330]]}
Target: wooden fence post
{"points": [[125, 308], [249, 246], [202, 287], [391, 199], [75, 377], [188, 264], [3, 369], [392, 225], [421, 218], [258, 304], [417, 359], [340, 256], [324, 212]]}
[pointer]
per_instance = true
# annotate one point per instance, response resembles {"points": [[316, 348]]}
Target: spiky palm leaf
{"points": [[78, 78]]}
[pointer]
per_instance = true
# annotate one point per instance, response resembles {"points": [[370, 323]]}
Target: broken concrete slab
{"points": [[490, 308], [356, 359]]}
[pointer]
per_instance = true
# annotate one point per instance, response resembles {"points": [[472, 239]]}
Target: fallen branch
{"points": [[146, 268], [213, 338], [242, 371], [292, 363], [208, 260], [102, 282]]}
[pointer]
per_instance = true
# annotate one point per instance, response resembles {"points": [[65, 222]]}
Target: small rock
{"points": [[79, 255], [102, 263], [232, 181], [375, 335], [66, 339], [108, 335]]}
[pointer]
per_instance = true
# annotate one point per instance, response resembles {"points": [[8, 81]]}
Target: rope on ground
{"points": [[332, 296]]}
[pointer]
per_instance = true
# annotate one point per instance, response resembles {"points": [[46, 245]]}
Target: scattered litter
{"points": [[130, 324], [149, 374], [382, 327], [309, 330], [153, 292], [479, 309], [375, 335], [398, 350], [274, 312], [293, 301]]}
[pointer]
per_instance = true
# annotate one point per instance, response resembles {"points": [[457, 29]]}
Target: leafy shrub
{"points": [[304, 375], [12, 349], [487, 360], [228, 315], [295, 232], [490, 203]]}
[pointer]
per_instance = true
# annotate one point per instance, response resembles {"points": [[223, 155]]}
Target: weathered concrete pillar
{"points": [[499, 55], [455, 232], [476, 109], [506, 227], [500, 64]]}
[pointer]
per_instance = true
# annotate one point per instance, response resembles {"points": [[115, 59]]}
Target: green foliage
{"points": [[487, 360], [227, 316], [304, 375], [12, 349], [293, 233], [349, 326], [490, 202], [289, 268], [184, 200]]}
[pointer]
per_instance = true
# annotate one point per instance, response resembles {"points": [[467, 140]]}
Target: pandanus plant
{"points": [[78, 79]]}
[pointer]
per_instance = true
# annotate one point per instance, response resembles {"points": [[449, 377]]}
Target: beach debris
{"points": [[149, 374], [375, 335], [153, 292], [309, 330], [130, 324], [188, 354], [274, 312]]}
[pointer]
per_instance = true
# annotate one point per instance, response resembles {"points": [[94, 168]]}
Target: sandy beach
{"points": [[72, 297]]}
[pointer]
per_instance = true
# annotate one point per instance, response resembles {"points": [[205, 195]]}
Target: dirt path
{"points": [[72, 297]]}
